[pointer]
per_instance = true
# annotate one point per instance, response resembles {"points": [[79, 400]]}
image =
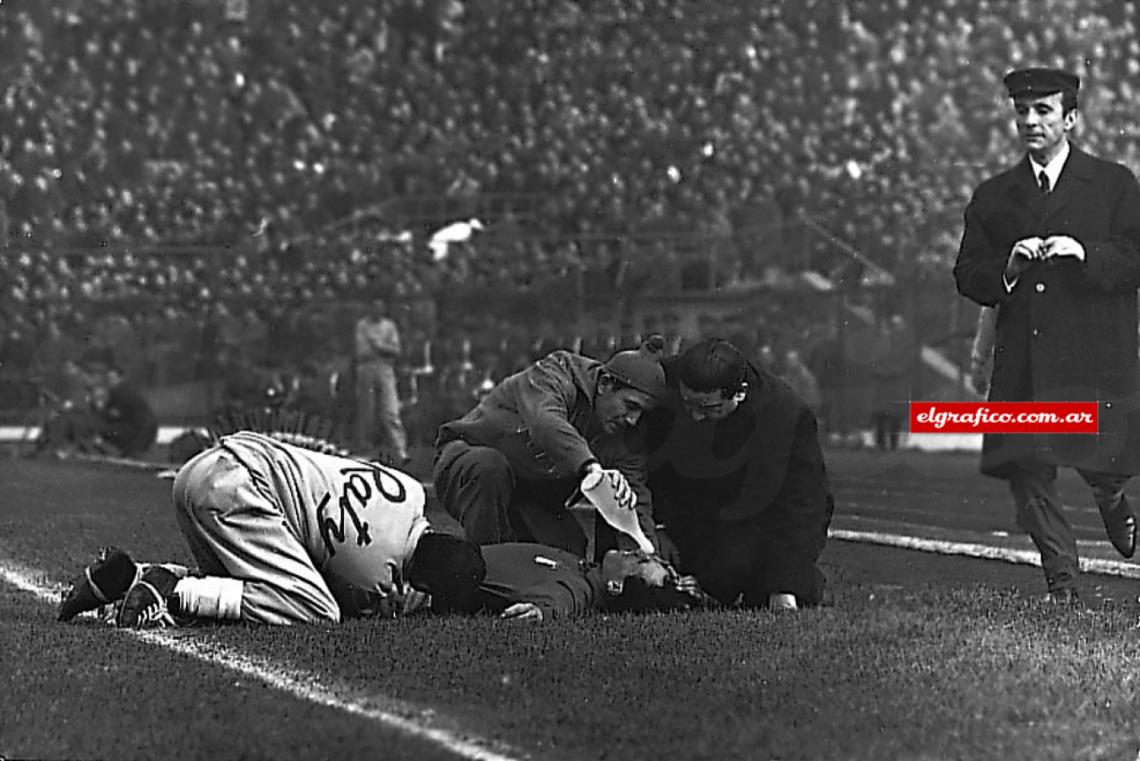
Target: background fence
{"points": [[231, 324]]}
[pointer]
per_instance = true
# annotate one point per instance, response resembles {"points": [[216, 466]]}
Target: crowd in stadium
{"points": [[293, 156]]}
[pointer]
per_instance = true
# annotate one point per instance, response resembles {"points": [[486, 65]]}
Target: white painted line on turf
{"points": [[985, 551], [27, 433], [297, 682]]}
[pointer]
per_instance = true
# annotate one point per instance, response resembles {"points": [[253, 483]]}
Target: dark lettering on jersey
{"points": [[354, 498], [330, 529], [359, 482], [387, 482]]}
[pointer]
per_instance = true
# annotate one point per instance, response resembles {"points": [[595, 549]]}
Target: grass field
{"points": [[915, 656]]}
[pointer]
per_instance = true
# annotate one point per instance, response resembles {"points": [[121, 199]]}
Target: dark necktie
{"points": [[1043, 182]]}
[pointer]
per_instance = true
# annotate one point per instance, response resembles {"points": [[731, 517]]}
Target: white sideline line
{"points": [[298, 683], [984, 551], [29, 433]]}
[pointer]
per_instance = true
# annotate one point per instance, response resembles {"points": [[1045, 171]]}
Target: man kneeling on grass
{"points": [[740, 489], [283, 534]]}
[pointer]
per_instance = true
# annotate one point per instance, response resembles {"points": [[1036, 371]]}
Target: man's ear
{"points": [[741, 393], [605, 382]]}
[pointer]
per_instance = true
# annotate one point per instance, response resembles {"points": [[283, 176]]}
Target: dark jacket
{"points": [[542, 419], [1067, 331], [761, 466], [128, 422], [559, 582]]}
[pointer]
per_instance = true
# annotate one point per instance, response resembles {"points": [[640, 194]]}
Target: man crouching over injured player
{"points": [[282, 535]]}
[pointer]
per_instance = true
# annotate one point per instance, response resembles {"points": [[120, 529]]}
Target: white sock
{"points": [[210, 597]]}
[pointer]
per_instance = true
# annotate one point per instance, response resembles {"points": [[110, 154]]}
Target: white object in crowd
{"points": [[456, 232]]}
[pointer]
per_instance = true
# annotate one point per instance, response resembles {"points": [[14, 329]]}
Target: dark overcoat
{"points": [[1067, 331], [761, 467]]}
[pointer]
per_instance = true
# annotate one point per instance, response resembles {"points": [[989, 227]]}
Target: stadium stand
{"points": [[227, 176]]}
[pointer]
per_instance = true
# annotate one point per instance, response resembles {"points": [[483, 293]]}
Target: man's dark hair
{"points": [[448, 568], [712, 364], [1069, 100]]}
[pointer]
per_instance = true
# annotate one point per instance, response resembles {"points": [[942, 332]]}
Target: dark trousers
{"points": [[477, 486], [888, 430], [733, 560], [1041, 515]]}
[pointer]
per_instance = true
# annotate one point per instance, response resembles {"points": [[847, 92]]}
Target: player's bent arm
{"points": [[544, 398]]}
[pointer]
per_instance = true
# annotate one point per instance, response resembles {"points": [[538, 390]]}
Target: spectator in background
{"points": [[982, 350], [316, 391], [128, 425], [1054, 243], [254, 335], [377, 398], [799, 376], [74, 424], [891, 367], [740, 489], [49, 363], [114, 340]]}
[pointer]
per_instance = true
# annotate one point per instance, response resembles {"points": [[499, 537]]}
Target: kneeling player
{"points": [[283, 535]]}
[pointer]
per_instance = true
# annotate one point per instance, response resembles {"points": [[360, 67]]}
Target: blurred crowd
{"points": [[289, 158]]}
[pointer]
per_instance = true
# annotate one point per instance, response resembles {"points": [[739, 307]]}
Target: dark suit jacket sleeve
{"points": [[1113, 263], [564, 598], [796, 522], [545, 396], [978, 271]]}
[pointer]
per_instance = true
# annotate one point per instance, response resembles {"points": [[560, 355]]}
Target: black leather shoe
{"points": [[1120, 525]]}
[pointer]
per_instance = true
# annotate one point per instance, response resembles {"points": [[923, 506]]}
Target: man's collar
{"points": [[1055, 165]]}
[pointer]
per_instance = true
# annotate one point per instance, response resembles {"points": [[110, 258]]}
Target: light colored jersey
{"points": [[357, 520], [377, 339]]}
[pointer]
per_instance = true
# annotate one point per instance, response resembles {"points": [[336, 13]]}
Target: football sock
{"points": [[209, 597]]}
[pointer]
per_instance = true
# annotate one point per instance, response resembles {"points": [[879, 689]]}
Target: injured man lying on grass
{"points": [[283, 534]]}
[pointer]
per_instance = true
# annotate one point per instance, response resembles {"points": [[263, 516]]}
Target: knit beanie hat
{"points": [[641, 368]]}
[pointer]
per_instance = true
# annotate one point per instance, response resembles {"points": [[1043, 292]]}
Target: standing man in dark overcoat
{"points": [[1054, 242]]}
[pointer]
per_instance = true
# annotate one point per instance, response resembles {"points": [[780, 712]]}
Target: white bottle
{"points": [[602, 494]]}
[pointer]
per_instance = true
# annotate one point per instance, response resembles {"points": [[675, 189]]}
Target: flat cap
{"points": [[1040, 81]]}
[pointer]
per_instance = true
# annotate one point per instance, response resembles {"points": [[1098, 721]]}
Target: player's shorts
{"points": [[234, 530]]}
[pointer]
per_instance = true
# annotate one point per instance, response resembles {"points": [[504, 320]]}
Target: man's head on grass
{"points": [[638, 581]]}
